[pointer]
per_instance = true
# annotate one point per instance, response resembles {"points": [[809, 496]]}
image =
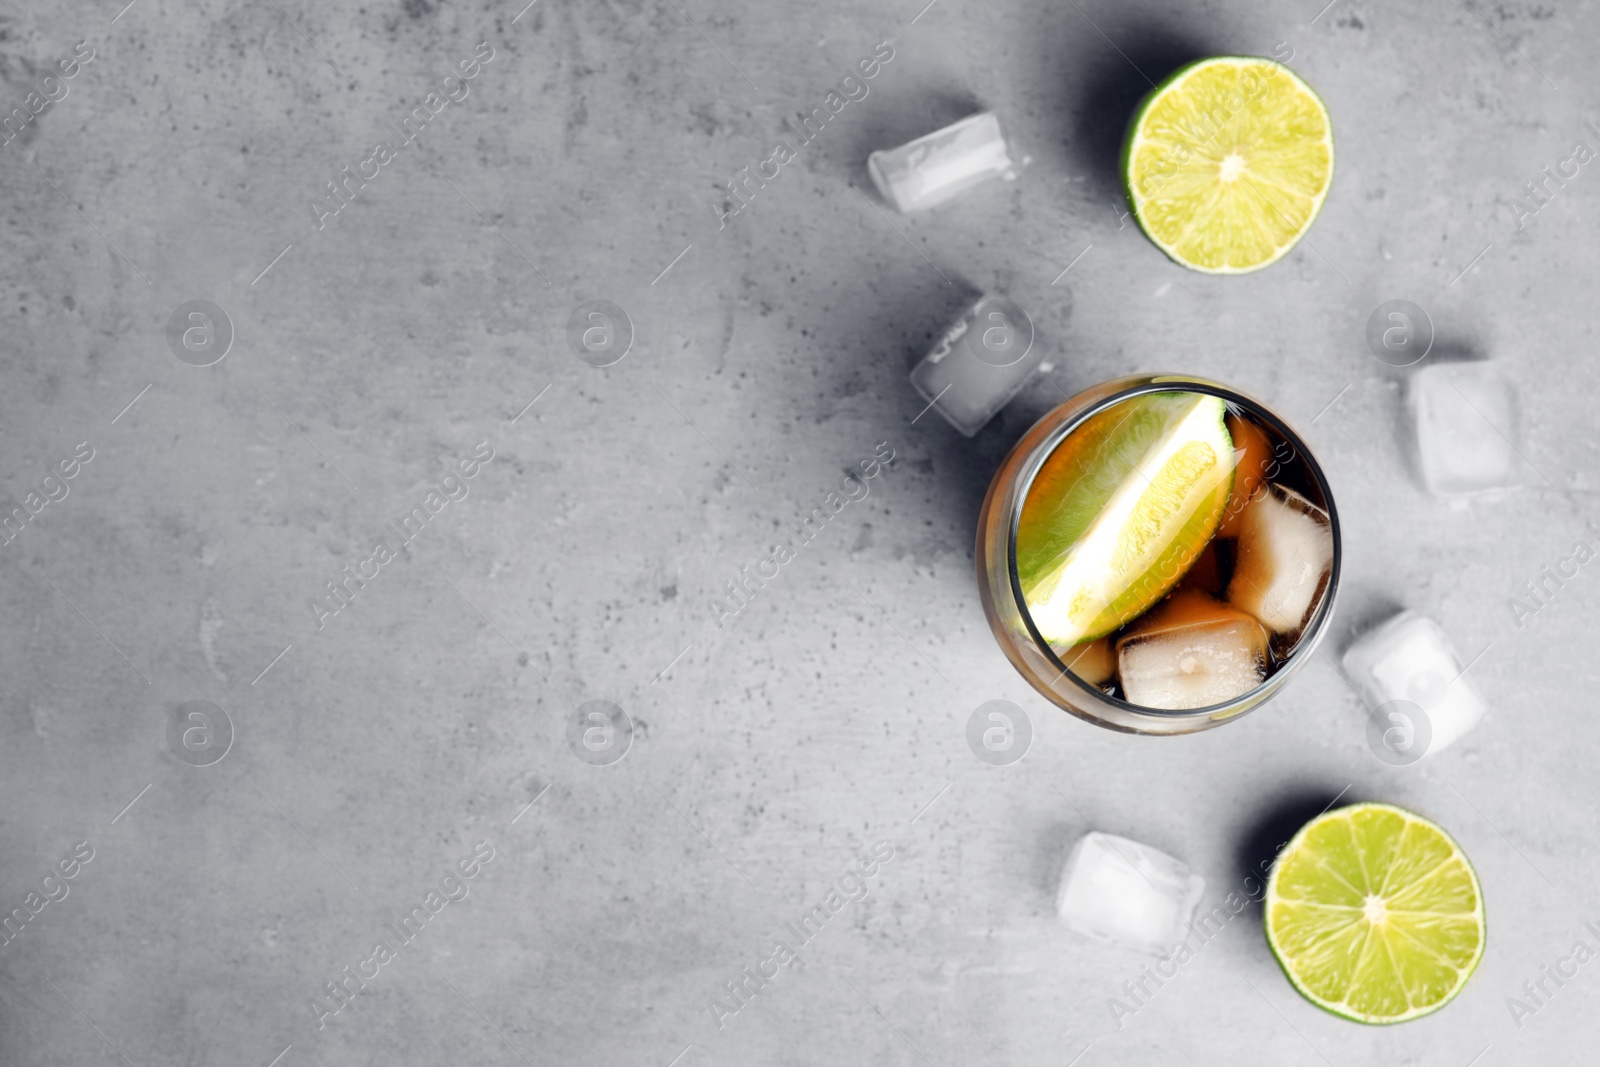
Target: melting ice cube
{"points": [[1117, 890], [932, 169], [1467, 426], [1191, 652], [979, 364], [1285, 555], [1410, 658]]}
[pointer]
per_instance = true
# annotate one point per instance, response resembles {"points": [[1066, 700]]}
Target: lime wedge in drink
{"points": [[1375, 914], [1228, 162], [1119, 511]]}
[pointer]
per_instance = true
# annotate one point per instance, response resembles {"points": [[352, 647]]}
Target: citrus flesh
{"points": [[1228, 162], [1120, 510], [1375, 914]]}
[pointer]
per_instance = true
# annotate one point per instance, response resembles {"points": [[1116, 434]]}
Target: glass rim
{"points": [[1167, 383]]}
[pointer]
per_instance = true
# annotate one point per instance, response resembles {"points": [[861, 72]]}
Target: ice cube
{"points": [[1285, 555], [1117, 890], [1191, 652], [1466, 421], [933, 168], [979, 364], [1410, 658]]}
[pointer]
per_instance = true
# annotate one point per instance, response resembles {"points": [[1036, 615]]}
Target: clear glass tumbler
{"points": [[1002, 589]]}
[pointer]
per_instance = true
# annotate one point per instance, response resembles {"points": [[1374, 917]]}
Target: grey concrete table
{"points": [[348, 770]]}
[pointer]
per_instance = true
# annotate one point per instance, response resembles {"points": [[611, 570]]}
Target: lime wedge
{"points": [[1228, 162], [1119, 511], [1375, 914]]}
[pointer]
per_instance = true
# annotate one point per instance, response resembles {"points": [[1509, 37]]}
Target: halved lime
{"points": [[1120, 510], [1228, 162], [1375, 914]]}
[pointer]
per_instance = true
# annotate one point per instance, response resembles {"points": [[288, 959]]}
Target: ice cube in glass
{"points": [[980, 363], [1410, 658], [1191, 652], [1467, 426], [1285, 553], [1128, 894], [936, 167]]}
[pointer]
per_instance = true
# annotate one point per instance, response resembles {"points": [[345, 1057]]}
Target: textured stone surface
{"points": [[370, 757]]}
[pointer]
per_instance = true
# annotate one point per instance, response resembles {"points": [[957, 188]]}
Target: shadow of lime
{"points": [[1264, 838]]}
